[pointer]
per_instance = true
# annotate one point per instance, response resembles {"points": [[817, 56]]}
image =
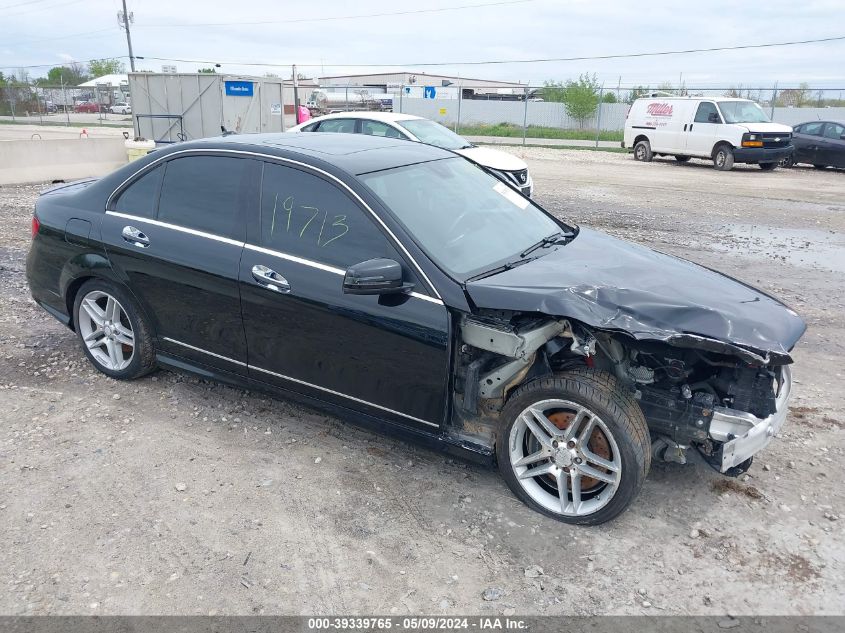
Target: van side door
{"points": [[701, 131]]}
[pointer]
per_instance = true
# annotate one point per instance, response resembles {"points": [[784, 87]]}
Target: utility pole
{"points": [[295, 94], [124, 18]]}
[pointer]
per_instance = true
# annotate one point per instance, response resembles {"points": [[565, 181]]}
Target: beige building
{"points": [[395, 81]]}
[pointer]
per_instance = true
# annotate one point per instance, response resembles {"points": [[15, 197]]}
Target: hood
{"points": [[493, 158], [775, 128], [611, 284]]}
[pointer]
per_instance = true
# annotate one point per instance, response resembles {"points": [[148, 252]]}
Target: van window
{"points": [[743, 112], [705, 109]]}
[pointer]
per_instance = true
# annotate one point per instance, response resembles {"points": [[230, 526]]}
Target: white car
{"points": [[121, 108], [414, 128], [723, 130]]}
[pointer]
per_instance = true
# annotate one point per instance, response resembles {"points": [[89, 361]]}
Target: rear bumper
{"points": [[761, 154], [744, 434]]}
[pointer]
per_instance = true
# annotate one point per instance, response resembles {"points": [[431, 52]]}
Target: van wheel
{"points": [[768, 166], [682, 159], [642, 151], [723, 158]]}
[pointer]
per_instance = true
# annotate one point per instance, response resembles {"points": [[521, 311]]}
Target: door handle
{"points": [[685, 127], [135, 237], [270, 279], [690, 126]]}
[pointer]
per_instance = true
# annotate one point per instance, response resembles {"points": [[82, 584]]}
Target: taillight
{"points": [[35, 226]]}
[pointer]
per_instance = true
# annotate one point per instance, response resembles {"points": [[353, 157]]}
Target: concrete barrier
{"points": [[27, 161]]}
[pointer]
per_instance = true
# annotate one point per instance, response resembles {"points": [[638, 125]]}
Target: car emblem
{"points": [[777, 138]]}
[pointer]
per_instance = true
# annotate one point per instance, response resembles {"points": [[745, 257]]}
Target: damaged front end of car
{"points": [[706, 357]]}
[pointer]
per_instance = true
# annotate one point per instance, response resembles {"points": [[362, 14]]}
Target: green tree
{"points": [[3, 80], [581, 98], [71, 75], [100, 67], [636, 92], [553, 91], [609, 97], [206, 71]]}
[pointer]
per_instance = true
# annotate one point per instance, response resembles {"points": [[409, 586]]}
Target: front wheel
{"points": [[723, 158], [574, 446]]}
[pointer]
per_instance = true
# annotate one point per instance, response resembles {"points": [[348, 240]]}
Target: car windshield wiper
{"points": [[554, 238], [499, 269]]}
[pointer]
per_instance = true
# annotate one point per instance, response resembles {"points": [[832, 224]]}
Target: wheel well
{"points": [[641, 137], [70, 297], [718, 145]]}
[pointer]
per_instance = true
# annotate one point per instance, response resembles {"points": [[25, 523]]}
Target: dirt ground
{"points": [[171, 495]]}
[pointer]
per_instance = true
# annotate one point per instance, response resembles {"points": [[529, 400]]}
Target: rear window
{"points": [[139, 198], [204, 193]]}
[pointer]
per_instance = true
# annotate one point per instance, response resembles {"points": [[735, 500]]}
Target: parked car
{"points": [[818, 143], [121, 108], [87, 106], [406, 288], [723, 130], [415, 128]]}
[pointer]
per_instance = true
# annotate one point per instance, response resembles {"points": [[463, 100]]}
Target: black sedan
{"points": [[819, 143], [403, 287]]}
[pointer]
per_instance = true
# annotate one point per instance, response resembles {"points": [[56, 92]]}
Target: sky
{"points": [[283, 32]]}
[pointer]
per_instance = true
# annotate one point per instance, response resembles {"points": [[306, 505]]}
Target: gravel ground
{"points": [[171, 495]]}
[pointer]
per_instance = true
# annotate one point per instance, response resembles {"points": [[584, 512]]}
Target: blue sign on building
{"points": [[238, 88], [429, 92]]}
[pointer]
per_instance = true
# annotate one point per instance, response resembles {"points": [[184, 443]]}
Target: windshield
{"points": [[743, 112], [466, 220], [434, 134]]}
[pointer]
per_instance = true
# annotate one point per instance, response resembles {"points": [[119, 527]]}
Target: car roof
{"points": [[353, 153], [372, 115]]}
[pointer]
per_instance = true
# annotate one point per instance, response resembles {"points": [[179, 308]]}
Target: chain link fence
{"points": [[54, 104]]}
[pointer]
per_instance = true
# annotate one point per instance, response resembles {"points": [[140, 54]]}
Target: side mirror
{"points": [[713, 117], [375, 277]]}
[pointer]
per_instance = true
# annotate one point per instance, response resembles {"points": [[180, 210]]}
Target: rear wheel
{"points": [[789, 161], [768, 166], [682, 159], [820, 166], [114, 334], [642, 151], [574, 446], [723, 158]]}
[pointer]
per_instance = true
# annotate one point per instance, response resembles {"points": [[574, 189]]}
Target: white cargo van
{"points": [[723, 130]]}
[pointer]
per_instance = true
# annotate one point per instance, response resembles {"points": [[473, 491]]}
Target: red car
{"points": [[87, 106]]}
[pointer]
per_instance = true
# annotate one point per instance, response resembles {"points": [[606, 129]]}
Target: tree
{"points": [[609, 97], [71, 75], [581, 98], [636, 92], [100, 67], [3, 80], [206, 71]]}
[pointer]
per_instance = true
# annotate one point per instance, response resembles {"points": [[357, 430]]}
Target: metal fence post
{"points": [[401, 95], [598, 117], [64, 99], [525, 117], [458, 121], [774, 100]]}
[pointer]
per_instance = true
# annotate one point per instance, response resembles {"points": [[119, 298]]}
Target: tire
{"points": [[820, 166], [642, 151], [768, 166], [788, 162], [118, 341], [615, 416], [723, 158], [682, 159]]}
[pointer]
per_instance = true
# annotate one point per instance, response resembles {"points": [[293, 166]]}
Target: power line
{"points": [[37, 9], [74, 61], [339, 17], [516, 61]]}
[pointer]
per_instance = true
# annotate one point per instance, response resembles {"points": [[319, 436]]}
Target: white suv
{"points": [[415, 128]]}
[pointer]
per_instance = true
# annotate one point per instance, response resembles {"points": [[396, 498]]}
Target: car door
{"points": [[832, 145], [701, 133], [175, 234], [384, 355], [806, 141]]}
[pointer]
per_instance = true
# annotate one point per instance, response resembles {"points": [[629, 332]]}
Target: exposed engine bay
{"points": [[724, 403]]}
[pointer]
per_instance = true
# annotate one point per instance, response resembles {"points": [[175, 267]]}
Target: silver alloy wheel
{"points": [[721, 157], [106, 330], [552, 463], [640, 151]]}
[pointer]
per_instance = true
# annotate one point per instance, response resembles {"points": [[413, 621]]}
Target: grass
{"points": [[536, 131]]}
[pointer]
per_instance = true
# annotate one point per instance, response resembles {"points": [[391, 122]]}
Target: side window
{"points": [[140, 197], [705, 109], [813, 129], [306, 216], [834, 131], [204, 192], [310, 127], [377, 128], [338, 126]]}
